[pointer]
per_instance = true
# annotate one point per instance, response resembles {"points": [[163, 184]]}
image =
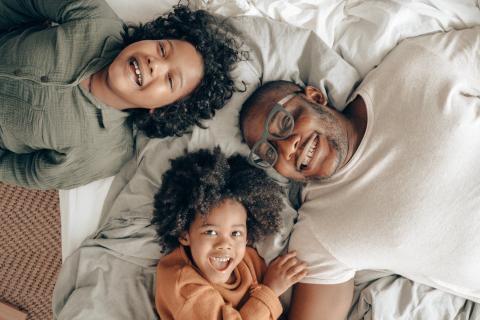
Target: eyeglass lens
{"points": [[280, 126]]}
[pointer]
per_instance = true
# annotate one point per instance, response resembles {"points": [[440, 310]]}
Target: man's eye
{"points": [[280, 125], [236, 234], [286, 123], [162, 49], [270, 155], [210, 233]]}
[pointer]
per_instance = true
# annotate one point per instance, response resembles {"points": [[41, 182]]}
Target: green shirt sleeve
{"points": [[15, 13], [50, 169]]}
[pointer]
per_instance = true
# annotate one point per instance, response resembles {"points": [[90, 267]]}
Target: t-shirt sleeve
{"points": [[323, 267], [459, 49], [205, 303]]}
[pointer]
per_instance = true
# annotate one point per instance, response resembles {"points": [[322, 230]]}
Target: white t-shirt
{"points": [[409, 199]]}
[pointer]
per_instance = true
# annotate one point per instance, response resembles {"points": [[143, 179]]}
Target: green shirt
{"points": [[54, 133]]}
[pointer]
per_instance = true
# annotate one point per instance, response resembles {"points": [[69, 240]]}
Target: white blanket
{"points": [[362, 32]]}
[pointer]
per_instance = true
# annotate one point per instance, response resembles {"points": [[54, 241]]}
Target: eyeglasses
{"points": [[279, 125]]}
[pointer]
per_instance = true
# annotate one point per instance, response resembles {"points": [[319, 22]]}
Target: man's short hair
{"points": [[261, 95]]}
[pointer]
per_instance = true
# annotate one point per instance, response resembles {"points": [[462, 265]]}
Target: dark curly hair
{"points": [[219, 49], [200, 181]]}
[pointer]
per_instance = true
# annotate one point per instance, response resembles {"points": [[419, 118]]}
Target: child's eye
{"points": [[236, 234], [210, 233], [170, 81], [162, 48]]}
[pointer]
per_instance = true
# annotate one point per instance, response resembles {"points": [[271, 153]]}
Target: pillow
{"points": [[140, 10], [322, 18], [276, 51]]}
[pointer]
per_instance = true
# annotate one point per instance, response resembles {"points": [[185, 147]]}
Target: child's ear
{"points": [[184, 239]]}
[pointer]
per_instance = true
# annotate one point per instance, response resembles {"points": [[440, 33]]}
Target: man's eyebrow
{"points": [[172, 52]]}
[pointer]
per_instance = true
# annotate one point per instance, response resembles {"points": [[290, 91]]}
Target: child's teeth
{"points": [[220, 263], [221, 259], [137, 72]]}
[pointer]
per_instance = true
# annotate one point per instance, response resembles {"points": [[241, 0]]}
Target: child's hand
{"points": [[283, 272]]}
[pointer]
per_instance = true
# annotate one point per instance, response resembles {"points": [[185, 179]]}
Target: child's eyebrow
{"points": [[239, 225], [216, 225], [206, 225]]}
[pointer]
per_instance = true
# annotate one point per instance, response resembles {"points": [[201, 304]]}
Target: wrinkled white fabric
{"points": [[361, 31]]}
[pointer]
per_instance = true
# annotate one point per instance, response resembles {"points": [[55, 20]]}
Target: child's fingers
{"points": [[299, 276], [293, 261], [296, 269], [297, 273], [286, 257]]}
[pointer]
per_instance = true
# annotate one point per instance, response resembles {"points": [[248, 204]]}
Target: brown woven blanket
{"points": [[30, 249]]}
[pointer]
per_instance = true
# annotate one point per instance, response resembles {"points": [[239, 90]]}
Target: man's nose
{"points": [[288, 147]]}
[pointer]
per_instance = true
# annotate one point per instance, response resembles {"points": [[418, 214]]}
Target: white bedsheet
{"points": [[80, 210], [361, 31]]}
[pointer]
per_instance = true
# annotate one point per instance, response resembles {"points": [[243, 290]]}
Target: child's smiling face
{"points": [[217, 241], [155, 73]]}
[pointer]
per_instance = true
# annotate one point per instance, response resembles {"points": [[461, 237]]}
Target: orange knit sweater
{"points": [[183, 294]]}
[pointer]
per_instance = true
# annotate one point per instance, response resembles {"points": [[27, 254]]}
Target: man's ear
{"points": [[315, 95], [184, 239]]}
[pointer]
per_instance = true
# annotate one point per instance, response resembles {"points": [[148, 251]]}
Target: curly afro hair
{"points": [[200, 181], [213, 40]]}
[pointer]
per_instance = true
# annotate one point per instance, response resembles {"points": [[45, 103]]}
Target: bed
{"points": [[104, 229]]}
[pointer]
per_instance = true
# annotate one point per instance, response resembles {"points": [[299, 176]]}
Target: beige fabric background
{"points": [[30, 249]]}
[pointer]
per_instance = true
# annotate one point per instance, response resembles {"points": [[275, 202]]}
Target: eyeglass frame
{"points": [[266, 135]]}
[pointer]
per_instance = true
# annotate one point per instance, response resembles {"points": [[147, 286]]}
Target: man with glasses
{"points": [[391, 180]]}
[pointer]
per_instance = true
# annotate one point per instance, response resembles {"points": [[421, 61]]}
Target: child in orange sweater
{"points": [[206, 211]]}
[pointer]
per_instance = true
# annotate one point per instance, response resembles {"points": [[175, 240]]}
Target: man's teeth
{"points": [[137, 72], [310, 152]]}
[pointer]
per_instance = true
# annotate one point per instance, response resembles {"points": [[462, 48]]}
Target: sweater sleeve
{"points": [[208, 304], [262, 304], [14, 13], [49, 169]]}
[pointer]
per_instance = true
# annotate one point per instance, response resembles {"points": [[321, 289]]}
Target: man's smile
{"points": [[316, 150], [308, 152]]}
